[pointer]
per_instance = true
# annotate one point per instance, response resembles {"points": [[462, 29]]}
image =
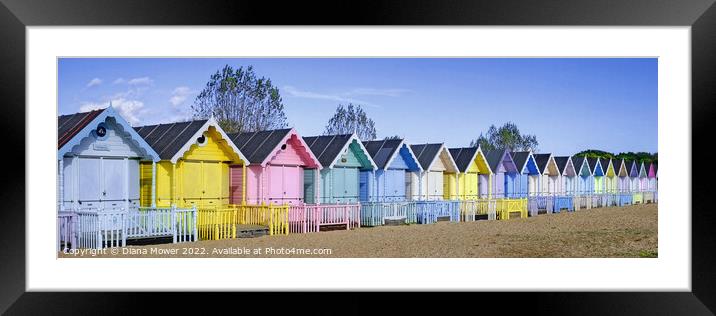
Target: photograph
{"points": [[357, 157]]}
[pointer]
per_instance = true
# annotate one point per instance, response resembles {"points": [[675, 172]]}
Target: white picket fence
{"points": [[100, 228]]}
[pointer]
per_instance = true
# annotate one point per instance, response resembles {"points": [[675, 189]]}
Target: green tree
{"points": [[507, 136], [349, 119], [240, 101]]}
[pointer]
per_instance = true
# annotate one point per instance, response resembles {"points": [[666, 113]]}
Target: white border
{"points": [[671, 271]]}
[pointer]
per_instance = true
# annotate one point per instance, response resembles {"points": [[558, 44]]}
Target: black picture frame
{"points": [[15, 15]]}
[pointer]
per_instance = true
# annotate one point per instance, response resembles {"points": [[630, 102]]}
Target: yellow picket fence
{"points": [[505, 207], [221, 222]]}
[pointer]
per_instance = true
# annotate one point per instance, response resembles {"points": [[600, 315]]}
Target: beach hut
{"points": [[549, 176], [633, 167], [568, 175], [102, 187], [649, 195], [471, 162], [98, 156], [504, 174], [342, 159], [621, 166], [394, 162], [643, 177], [384, 192], [597, 174], [436, 162], [610, 175], [651, 174], [622, 182], [194, 167], [585, 184], [528, 174], [282, 169]]}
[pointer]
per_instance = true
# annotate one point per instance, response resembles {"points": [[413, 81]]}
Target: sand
{"points": [[606, 232]]}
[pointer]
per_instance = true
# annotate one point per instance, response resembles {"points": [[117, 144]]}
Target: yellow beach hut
{"points": [[465, 184], [194, 167]]}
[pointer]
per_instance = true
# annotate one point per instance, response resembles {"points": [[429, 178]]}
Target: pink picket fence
{"points": [[309, 218]]}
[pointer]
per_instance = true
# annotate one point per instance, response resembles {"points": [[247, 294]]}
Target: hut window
{"points": [[201, 140], [101, 131], [283, 147]]}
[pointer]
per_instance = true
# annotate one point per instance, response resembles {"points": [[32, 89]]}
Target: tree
{"points": [[240, 101], [638, 156], [349, 119], [508, 137], [594, 153], [394, 137]]}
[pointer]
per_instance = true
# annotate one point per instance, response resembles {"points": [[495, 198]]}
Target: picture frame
{"points": [[15, 15]]}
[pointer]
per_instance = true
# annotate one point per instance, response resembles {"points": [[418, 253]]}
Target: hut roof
{"points": [[463, 157], [542, 160], [578, 161], [168, 139], [69, 125], [382, 150], [494, 158], [592, 162], [257, 146], [520, 158], [426, 153], [561, 162], [328, 148]]}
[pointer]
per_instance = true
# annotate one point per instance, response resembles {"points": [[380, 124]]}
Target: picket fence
{"points": [[374, 213], [429, 211], [309, 218], [222, 222], [100, 228], [540, 203]]}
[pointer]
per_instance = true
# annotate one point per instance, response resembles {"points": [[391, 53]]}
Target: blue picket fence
{"points": [[625, 199], [563, 202], [430, 211]]}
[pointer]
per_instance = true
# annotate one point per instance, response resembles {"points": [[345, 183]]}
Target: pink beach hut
{"points": [[282, 169]]}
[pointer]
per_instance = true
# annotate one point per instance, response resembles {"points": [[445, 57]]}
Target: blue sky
{"points": [[571, 104]]}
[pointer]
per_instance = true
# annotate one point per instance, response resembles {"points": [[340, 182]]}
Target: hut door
{"points": [[212, 183], [351, 185], [292, 184], [192, 183], [114, 182], [89, 183], [471, 186], [337, 189]]}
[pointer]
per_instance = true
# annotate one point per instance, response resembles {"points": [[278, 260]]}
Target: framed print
{"points": [[495, 147]]}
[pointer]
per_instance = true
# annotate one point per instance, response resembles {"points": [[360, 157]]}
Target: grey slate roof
{"points": [[257, 146], [69, 125], [561, 162], [327, 148], [617, 165], [463, 157], [382, 150], [604, 162], [592, 162], [494, 157], [168, 139], [577, 161], [542, 160], [520, 158], [426, 153]]}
